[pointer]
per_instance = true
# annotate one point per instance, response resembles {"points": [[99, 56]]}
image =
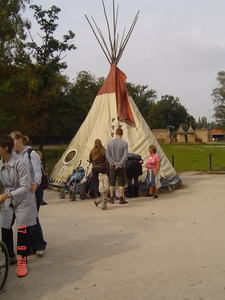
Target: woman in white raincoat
{"points": [[16, 202]]}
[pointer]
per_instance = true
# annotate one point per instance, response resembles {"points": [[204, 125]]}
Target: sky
{"points": [[177, 47]]}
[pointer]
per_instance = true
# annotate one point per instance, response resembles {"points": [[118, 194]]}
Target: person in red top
{"points": [[152, 165]]}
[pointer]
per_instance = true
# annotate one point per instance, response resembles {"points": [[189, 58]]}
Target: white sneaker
{"points": [[40, 253]]}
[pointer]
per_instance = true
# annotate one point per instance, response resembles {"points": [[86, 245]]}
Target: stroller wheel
{"points": [[72, 197], [61, 195], [82, 196]]}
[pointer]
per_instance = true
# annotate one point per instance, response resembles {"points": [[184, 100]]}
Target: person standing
{"points": [[33, 163], [133, 171], [17, 202], [116, 154], [153, 166], [99, 164]]}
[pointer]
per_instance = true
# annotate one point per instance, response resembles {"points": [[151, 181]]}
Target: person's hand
{"points": [[3, 197], [116, 165], [33, 187]]}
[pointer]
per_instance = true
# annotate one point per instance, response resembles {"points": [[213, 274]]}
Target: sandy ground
{"points": [[168, 248]]}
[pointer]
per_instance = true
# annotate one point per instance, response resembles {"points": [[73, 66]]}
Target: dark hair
{"points": [[6, 141], [18, 135], [153, 148], [119, 131]]}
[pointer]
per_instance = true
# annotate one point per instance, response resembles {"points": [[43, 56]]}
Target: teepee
{"points": [[113, 107]]}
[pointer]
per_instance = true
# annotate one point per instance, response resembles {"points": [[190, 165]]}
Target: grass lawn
{"points": [[187, 157], [196, 157]]}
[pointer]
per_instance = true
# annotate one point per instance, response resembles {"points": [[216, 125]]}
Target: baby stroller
{"points": [[73, 184]]}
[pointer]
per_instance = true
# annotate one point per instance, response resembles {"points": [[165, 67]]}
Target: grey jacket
{"points": [[15, 178], [34, 164], [117, 151]]}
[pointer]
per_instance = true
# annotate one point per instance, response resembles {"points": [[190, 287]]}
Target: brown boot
{"points": [[122, 201], [111, 200]]}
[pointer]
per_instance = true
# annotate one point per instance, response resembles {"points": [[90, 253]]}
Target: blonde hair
{"points": [[98, 150], [18, 135]]}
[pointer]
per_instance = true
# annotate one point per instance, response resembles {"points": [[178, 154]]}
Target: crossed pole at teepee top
{"points": [[116, 49]]}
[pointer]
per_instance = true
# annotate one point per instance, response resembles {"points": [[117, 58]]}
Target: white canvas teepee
{"points": [[113, 107]]}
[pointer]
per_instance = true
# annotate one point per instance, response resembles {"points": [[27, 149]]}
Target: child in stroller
{"points": [[73, 184]]}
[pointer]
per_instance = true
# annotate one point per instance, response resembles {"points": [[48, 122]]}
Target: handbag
{"points": [[44, 180]]}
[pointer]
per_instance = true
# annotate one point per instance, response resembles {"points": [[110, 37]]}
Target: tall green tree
{"points": [[48, 63], [218, 95], [155, 118], [174, 113], [13, 58], [13, 32], [143, 97]]}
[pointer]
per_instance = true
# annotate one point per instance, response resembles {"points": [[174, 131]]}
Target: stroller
{"points": [[74, 184]]}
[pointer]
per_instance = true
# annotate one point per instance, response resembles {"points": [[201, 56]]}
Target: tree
{"points": [[218, 95], [48, 64], [155, 119], [12, 32], [143, 97], [174, 113], [202, 123], [82, 94]]}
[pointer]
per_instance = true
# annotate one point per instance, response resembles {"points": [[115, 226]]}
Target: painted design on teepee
{"points": [[113, 107]]}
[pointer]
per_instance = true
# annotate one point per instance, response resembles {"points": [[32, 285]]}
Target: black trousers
{"points": [[33, 239]]}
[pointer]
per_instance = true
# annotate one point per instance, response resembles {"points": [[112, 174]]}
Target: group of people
{"points": [[113, 165], [20, 175]]}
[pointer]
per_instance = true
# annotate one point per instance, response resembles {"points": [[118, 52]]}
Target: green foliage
{"points": [[143, 97], [174, 113], [49, 54], [218, 95], [49, 64], [12, 32], [155, 119]]}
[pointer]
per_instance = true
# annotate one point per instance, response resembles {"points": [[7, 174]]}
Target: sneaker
{"points": [[40, 253], [96, 204], [104, 208], [12, 260], [155, 196], [111, 200], [43, 202], [122, 201], [23, 273], [149, 195]]}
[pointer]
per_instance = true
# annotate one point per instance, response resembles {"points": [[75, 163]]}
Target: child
{"points": [[103, 189]]}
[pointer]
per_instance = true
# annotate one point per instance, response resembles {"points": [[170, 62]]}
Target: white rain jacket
{"points": [[15, 178]]}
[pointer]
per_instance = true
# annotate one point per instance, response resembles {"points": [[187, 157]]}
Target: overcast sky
{"points": [[177, 47]]}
